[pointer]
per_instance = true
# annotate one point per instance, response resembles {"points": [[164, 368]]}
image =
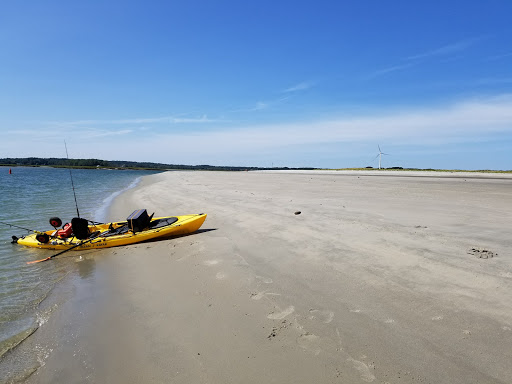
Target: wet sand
{"points": [[380, 278]]}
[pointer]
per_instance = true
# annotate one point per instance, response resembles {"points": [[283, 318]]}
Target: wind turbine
{"points": [[380, 155]]}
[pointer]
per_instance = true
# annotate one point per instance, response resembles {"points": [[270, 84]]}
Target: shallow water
{"points": [[28, 198]]}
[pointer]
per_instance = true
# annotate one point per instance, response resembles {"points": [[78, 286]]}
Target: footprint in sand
{"points": [[241, 262], [324, 316], [266, 280], [363, 369], [211, 262], [257, 296], [281, 315], [260, 295], [482, 253], [310, 342]]}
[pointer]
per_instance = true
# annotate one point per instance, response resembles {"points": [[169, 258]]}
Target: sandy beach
{"points": [[299, 277]]}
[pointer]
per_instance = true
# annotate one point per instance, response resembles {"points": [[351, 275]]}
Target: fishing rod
{"points": [[73, 186], [41, 236], [64, 251], [71, 176], [17, 226]]}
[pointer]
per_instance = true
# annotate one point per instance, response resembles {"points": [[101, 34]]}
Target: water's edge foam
{"points": [[101, 213]]}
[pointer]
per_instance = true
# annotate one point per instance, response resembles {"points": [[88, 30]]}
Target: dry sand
{"points": [[380, 278]]}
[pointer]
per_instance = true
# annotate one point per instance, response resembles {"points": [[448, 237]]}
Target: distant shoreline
{"points": [[84, 167], [122, 165]]}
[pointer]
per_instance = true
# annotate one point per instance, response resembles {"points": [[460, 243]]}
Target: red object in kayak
{"points": [[66, 231]]}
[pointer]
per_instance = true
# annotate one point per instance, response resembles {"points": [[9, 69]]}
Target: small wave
{"points": [[101, 212], [14, 341], [19, 377]]}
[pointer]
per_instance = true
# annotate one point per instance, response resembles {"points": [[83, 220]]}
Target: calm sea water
{"points": [[28, 198]]}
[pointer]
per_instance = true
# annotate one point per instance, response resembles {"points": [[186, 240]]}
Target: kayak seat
{"points": [[159, 223], [80, 228]]}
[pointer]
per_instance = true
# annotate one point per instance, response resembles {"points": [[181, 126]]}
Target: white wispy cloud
{"points": [[93, 122], [184, 120], [417, 59], [494, 80], [445, 50], [101, 133], [84, 133], [499, 57], [448, 49], [387, 70], [262, 105], [300, 87], [134, 121]]}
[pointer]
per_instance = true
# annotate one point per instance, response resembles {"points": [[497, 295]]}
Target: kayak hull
{"points": [[117, 234]]}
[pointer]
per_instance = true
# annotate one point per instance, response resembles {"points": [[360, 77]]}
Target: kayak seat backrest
{"points": [[139, 220], [80, 228]]}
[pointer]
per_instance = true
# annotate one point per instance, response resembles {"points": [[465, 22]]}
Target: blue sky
{"points": [[282, 83]]}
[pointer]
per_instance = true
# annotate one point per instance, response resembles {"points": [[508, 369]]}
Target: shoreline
{"points": [[372, 282]]}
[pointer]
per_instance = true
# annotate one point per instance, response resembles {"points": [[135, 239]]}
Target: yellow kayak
{"points": [[117, 233]]}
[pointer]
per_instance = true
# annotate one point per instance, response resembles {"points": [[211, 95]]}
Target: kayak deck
{"points": [[118, 233]]}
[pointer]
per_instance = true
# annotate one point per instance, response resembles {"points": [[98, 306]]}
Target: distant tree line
{"points": [[96, 163], [54, 162]]}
